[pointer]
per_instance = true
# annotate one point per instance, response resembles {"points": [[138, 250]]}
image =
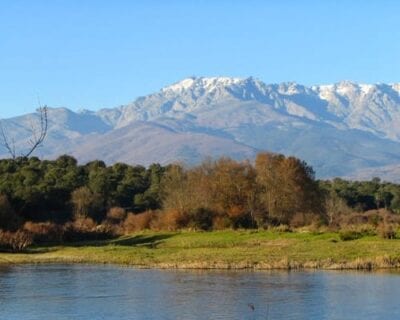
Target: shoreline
{"points": [[357, 265], [221, 250]]}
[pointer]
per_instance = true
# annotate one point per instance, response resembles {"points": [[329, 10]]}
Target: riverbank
{"points": [[222, 250]]}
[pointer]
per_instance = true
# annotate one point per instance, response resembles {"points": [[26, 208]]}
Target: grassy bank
{"points": [[223, 249]]}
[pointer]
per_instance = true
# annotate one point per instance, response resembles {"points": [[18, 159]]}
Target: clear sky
{"points": [[95, 54]]}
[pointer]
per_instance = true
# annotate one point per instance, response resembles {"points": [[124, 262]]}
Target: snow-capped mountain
{"points": [[340, 129]]}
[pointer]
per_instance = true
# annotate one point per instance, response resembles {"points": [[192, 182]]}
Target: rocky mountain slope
{"points": [[343, 129]]}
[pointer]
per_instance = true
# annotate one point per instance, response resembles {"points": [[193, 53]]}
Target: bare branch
{"points": [[38, 138], [38, 134], [6, 143]]}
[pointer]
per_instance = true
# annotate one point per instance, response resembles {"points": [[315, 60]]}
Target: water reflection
{"points": [[109, 292]]}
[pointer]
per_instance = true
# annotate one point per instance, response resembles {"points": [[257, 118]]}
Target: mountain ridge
{"points": [[339, 129]]}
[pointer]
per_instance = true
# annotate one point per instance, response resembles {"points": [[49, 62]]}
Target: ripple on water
{"points": [[33, 292]]}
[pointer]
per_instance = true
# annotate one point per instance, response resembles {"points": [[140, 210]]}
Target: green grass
{"points": [[223, 249]]}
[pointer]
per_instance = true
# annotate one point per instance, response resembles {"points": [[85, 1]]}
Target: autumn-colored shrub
{"points": [[15, 241], [306, 219], [240, 217], [84, 224], [370, 223], [353, 219], [386, 231], [137, 222], [388, 216], [109, 229], [170, 220], [44, 231], [235, 212], [374, 219], [116, 215], [82, 229], [298, 220]]}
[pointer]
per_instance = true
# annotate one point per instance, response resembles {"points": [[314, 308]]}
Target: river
{"points": [[31, 292]]}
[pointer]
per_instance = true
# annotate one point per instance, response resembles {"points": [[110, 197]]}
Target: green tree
{"points": [[86, 203]]}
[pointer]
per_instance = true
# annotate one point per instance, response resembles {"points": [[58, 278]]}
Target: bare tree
{"points": [[38, 133]]}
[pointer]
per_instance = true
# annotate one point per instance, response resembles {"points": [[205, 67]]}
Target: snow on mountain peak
{"points": [[396, 87], [347, 87], [343, 88], [366, 88], [181, 85], [207, 83], [291, 88]]}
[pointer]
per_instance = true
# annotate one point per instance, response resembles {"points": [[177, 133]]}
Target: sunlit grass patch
{"points": [[223, 249]]}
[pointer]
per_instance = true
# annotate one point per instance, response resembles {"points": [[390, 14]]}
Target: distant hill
{"points": [[344, 129]]}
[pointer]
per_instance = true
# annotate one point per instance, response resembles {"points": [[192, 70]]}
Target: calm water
{"points": [[109, 292]]}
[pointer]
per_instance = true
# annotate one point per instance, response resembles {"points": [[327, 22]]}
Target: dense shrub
{"points": [[138, 222], [108, 230], [306, 219], [57, 190], [8, 219], [86, 229], [355, 218], [200, 219], [374, 219], [84, 224], [170, 220], [349, 235], [221, 222], [15, 241], [386, 231], [116, 215], [45, 231]]}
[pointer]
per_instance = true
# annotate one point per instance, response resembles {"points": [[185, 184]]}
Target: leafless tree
{"points": [[38, 133]]}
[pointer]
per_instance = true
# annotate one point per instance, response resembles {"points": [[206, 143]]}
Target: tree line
{"points": [[216, 194], [364, 195], [61, 190]]}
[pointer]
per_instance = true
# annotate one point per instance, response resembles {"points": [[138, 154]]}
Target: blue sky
{"points": [[94, 54]]}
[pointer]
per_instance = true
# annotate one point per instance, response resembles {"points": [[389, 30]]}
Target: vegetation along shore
{"points": [[240, 249], [222, 213]]}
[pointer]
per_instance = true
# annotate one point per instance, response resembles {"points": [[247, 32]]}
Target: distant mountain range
{"points": [[345, 129]]}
